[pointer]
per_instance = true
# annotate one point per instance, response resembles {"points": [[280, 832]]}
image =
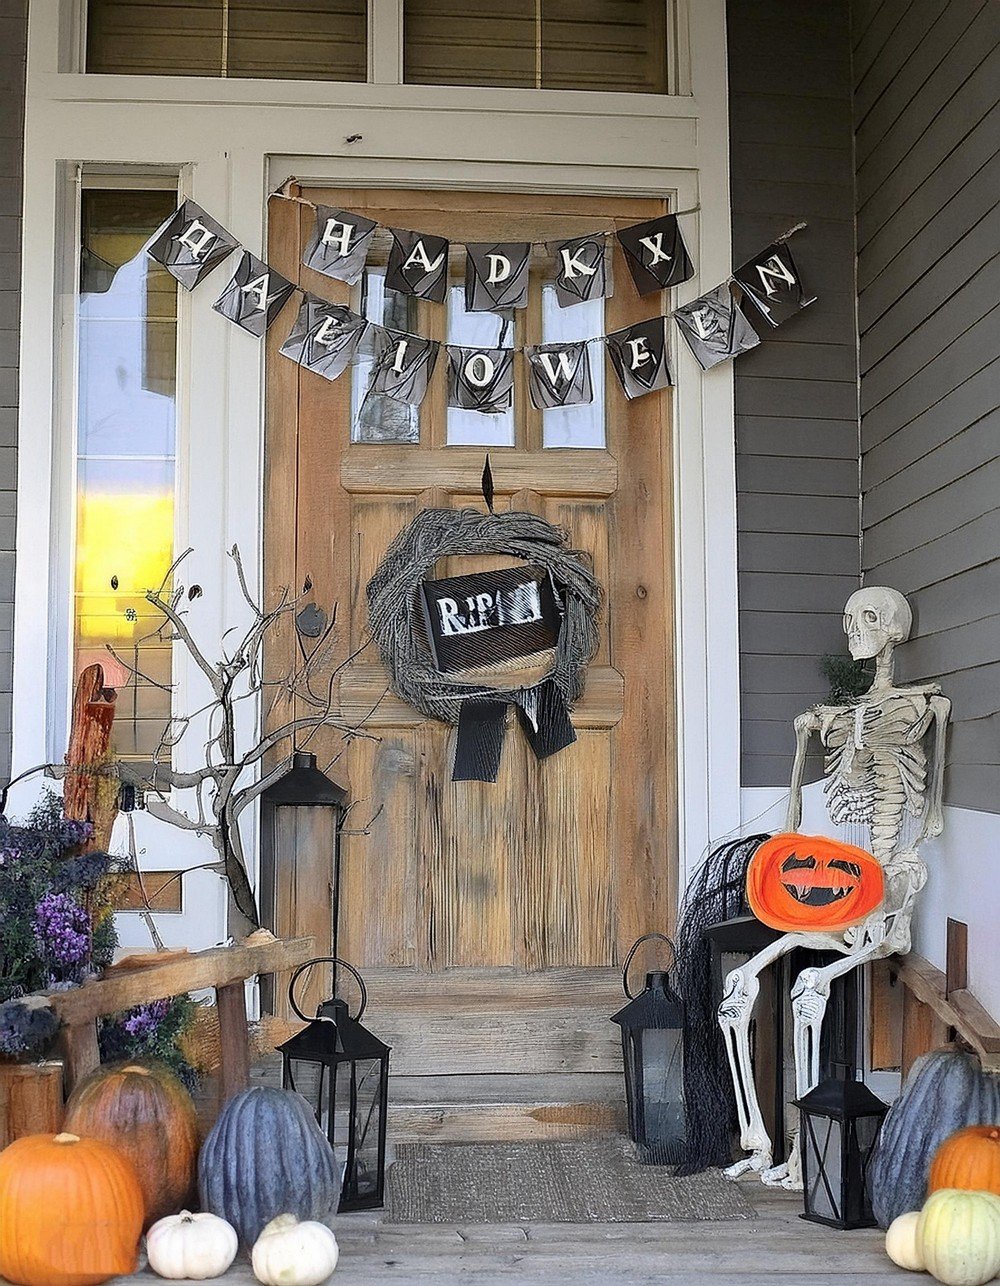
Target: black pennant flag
{"points": [[339, 244], [496, 276], [558, 375], [255, 295], [480, 379], [418, 265], [582, 269], [771, 284], [656, 254], [639, 355], [325, 337], [190, 244], [482, 723], [404, 365], [715, 328]]}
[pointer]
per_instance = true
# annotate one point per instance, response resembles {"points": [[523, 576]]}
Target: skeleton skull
{"points": [[874, 618]]}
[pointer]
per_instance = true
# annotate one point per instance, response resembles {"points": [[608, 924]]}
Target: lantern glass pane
{"points": [[823, 1166], [663, 1090], [357, 1129], [310, 1080]]}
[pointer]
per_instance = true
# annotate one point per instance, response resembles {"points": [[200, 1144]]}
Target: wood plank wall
{"points": [[13, 46], [796, 396], [927, 129]]}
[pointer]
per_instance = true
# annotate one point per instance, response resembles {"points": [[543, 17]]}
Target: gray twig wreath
{"points": [[442, 533]]}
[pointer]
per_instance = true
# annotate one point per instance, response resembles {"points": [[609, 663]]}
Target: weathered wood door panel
{"points": [[560, 864]]}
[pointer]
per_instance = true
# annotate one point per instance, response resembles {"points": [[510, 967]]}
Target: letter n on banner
{"points": [[772, 285]]}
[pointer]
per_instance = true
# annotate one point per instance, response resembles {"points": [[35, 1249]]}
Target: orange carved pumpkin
{"points": [[70, 1212], [804, 882], [145, 1112], [968, 1159]]}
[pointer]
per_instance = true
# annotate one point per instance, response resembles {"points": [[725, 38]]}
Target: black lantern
{"points": [[652, 1026], [301, 816], [343, 1072], [839, 1122]]}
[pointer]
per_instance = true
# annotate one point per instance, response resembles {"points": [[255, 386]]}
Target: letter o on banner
{"points": [[479, 370]]}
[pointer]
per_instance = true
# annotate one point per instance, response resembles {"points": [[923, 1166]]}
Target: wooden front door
{"points": [[489, 920]]}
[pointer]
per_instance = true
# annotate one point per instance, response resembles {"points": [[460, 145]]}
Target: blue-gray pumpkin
{"points": [[267, 1156], [945, 1091]]}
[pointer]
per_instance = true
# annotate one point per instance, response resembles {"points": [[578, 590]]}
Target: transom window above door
{"points": [[624, 46]]}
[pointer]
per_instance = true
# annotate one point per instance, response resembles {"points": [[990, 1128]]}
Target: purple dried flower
{"points": [[62, 929], [145, 1019]]}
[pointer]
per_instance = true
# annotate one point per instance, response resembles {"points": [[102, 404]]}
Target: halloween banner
{"points": [[639, 355], [404, 365], [496, 276], [582, 269], [771, 284], [339, 244], [715, 328], [480, 379], [656, 254], [255, 295], [558, 375], [325, 337], [418, 265], [190, 244]]}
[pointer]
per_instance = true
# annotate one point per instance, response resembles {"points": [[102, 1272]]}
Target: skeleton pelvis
{"points": [[812, 882]]}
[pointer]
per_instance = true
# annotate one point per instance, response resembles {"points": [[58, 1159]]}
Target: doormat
{"points": [[592, 1181]]}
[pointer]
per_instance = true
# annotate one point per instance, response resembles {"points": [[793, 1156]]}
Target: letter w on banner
{"points": [[558, 375], [772, 285], [339, 244], [255, 295], [190, 244], [496, 276], [418, 265], [656, 254], [325, 337], [582, 269], [481, 379], [639, 355]]}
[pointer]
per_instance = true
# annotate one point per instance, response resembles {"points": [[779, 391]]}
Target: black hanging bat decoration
{"points": [[488, 484]]}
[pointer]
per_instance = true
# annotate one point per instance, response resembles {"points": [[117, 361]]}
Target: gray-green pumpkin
{"points": [[945, 1091], [266, 1156]]}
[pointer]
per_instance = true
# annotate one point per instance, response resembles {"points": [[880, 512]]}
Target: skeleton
{"points": [[877, 777]]}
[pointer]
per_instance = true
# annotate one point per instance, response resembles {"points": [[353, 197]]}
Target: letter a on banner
{"points": [[639, 355], [558, 375], [582, 269], [772, 285], [496, 276], [715, 328], [190, 244], [656, 254], [339, 244], [325, 337], [418, 265], [481, 379], [255, 295]]}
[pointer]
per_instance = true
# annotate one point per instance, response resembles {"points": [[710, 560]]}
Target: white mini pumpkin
{"points": [[290, 1253], [901, 1242], [958, 1235], [188, 1246]]}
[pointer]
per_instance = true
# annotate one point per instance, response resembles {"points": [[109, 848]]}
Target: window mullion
{"points": [[385, 42]]}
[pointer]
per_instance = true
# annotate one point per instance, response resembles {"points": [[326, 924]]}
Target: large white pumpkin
{"points": [[290, 1253], [191, 1247], [958, 1236]]}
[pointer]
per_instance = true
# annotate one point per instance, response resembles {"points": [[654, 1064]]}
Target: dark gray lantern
{"points": [[652, 1026], [839, 1122], [342, 1070]]}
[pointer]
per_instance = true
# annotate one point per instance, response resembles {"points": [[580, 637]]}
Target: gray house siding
{"points": [[927, 129], [13, 37], [791, 158]]}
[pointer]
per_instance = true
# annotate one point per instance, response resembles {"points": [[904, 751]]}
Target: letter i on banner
{"points": [[639, 355], [190, 244], [255, 295], [339, 244], [496, 276], [582, 269], [404, 365]]}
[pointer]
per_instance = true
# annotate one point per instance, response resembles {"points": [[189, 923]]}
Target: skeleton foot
{"points": [[787, 1175], [756, 1163]]}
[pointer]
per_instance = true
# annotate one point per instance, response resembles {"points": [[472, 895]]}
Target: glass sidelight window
{"points": [[125, 456]]}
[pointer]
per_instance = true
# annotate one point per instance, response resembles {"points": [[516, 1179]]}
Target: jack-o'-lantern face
{"points": [[811, 882]]}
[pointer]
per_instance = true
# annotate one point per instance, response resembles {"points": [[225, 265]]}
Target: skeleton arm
{"points": [[934, 817], [805, 725]]}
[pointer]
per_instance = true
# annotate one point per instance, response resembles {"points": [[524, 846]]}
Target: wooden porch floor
{"points": [[776, 1247]]}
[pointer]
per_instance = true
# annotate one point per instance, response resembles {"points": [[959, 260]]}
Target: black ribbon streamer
{"points": [[482, 724]]}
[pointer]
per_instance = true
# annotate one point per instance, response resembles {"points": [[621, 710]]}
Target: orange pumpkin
{"points": [[145, 1112], [71, 1212], [804, 882], [969, 1159]]}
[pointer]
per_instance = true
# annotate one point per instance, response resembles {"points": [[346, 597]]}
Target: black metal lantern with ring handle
{"points": [[652, 1025], [342, 1070]]}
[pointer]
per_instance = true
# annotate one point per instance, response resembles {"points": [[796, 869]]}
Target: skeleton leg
{"points": [[735, 1013]]}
